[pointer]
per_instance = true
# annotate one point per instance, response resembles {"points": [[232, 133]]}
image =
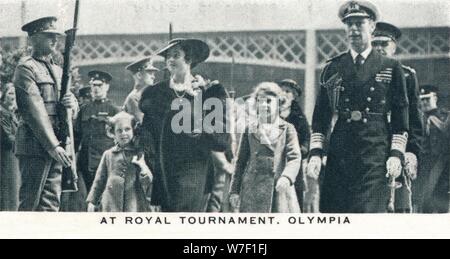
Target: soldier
{"points": [[37, 80], [84, 95], [361, 87], [144, 76], [91, 126], [433, 180], [385, 41]]}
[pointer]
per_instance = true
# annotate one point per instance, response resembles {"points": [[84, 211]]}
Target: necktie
{"points": [[359, 61]]}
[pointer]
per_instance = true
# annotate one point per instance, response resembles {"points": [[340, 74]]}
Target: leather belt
{"points": [[356, 116]]}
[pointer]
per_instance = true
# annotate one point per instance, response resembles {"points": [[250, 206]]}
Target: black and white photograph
{"points": [[225, 113]]}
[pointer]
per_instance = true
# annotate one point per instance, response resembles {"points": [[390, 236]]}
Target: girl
{"points": [[123, 181], [269, 159]]}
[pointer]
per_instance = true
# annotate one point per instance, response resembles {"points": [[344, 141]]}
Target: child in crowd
{"points": [[269, 159], [123, 182]]}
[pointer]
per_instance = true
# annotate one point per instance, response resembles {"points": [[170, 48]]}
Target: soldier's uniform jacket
{"points": [[37, 84], [364, 98], [90, 132]]}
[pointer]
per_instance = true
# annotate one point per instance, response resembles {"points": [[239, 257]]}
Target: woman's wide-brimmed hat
{"points": [[199, 50]]}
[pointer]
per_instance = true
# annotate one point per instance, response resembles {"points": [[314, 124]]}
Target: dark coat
{"points": [[181, 162], [403, 195], [354, 179], [298, 119], [258, 168], [432, 185], [118, 184], [9, 169], [90, 133]]}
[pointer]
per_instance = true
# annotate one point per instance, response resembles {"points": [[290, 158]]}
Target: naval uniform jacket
{"points": [[359, 146]]}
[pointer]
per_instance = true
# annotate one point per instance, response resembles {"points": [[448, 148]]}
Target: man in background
{"points": [[384, 41], [432, 188]]}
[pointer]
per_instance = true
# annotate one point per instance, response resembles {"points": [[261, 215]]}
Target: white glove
{"points": [[411, 165], [394, 167], [283, 184], [314, 167]]}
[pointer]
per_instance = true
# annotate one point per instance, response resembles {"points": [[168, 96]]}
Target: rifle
{"points": [[166, 71], [66, 136]]}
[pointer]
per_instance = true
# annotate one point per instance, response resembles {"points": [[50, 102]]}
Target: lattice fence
{"points": [[277, 49], [283, 49], [330, 44], [101, 50]]}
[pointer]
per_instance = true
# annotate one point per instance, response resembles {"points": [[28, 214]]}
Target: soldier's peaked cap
{"points": [[291, 84], [362, 9], [427, 91], [84, 91], [42, 25], [100, 75], [144, 64], [385, 31]]}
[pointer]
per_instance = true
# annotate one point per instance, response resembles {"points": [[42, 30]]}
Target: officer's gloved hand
{"points": [[394, 167], [411, 165], [314, 167]]}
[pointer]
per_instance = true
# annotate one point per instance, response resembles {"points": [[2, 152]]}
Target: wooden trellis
{"points": [[282, 49], [276, 49]]}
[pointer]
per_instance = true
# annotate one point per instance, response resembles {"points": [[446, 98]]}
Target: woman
{"points": [[293, 113], [184, 179], [269, 159], [9, 171]]}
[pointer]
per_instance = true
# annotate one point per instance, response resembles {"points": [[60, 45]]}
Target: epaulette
{"points": [[25, 60], [336, 57], [409, 69]]}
